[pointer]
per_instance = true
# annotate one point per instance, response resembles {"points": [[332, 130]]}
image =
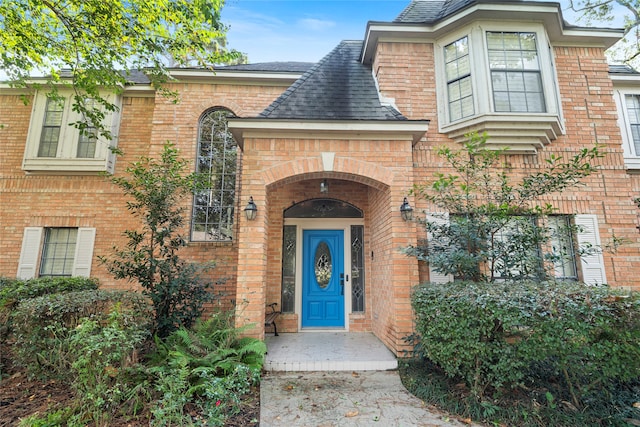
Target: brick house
{"points": [[328, 153]]}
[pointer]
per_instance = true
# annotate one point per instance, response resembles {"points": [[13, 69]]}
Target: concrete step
{"points": [[327, 351]]}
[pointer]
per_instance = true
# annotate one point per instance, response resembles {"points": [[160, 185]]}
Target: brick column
{"points": [[252, 263], [405, 271]]}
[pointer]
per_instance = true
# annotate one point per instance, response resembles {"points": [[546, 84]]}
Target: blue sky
{"points": [[303, 30], [300, 30]]}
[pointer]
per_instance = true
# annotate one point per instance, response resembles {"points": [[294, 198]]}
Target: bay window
{"points": [[499, 79]]}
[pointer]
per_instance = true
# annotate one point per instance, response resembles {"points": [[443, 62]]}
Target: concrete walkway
{"points": [[332, 399], [335, 379]]}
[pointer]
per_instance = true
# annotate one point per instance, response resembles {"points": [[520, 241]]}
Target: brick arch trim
{"points": [[367, 173], [221, 103]]}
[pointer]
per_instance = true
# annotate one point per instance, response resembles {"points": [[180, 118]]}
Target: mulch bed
{"points": [[21, 397]]}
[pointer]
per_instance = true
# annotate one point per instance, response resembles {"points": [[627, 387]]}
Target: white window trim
{"points": [[31, 252], [631, 158], [521, 132], [66, 161]]}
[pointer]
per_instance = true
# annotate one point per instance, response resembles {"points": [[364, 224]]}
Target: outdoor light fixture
{"points": [[324, 186], [406, 210], [251, 210]]}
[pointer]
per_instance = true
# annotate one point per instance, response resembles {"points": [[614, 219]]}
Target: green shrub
{"points": [[15, 290], [12, 291], [157, 189], [210, 366], [101, 356], [42, 325], [499, 335]]}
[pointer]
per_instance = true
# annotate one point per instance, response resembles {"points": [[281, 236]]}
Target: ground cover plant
{"points": [[535, 406], [77, 358]]}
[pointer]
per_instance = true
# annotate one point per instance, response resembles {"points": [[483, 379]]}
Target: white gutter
{"points": [[262, 77]]}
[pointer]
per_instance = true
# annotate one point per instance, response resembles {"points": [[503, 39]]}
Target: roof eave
{"points": [[131, 89], [625, 78], [245, 127], [230, 76], [549, 14]]}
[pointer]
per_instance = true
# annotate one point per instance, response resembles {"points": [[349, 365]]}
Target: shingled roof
{"points": [[429, 11], [285, 67], [621, 69], [339, 87]]}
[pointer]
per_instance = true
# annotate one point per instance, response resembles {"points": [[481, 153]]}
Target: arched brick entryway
{"points": [[377, 190]]}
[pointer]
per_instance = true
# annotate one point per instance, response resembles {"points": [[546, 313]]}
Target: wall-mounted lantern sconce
{"points": [[406, 210], [251, 210], [324, 186]]}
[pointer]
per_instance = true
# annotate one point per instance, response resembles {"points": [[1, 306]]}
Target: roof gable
{"points": [[339, 87]]}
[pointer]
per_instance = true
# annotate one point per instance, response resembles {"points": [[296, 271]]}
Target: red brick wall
{"points": [[590, 116], [373, 175], [92, 201], [68, 201]]}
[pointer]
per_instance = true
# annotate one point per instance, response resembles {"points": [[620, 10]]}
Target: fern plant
{"points": [[212, 344], [212, 366]]}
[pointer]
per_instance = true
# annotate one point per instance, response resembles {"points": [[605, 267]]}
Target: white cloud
{"points": [[244, 21], [315, 24]]}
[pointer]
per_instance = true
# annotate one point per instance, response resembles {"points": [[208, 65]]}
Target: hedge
{"points": [[497, 336]]}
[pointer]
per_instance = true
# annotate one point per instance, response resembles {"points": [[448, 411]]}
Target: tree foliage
{"points": [[620, 13], [157, 189], [489, 225], [96, 40]]}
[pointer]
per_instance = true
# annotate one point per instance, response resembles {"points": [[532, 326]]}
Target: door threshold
{"points": [[322, 329]]}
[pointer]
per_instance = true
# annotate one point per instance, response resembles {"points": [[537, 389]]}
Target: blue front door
{"points": [[322, 278]]}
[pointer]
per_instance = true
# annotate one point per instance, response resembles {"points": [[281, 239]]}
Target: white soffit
{"points": [[361, 129], [549, 14]]}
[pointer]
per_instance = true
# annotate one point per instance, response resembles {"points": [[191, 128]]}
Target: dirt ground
{"points": [[21, 397]]}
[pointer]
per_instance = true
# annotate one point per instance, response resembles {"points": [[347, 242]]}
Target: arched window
{"points": [[213, 208]]}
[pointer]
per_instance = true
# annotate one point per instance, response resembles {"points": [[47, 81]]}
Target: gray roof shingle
{"points": [[339, 87], [283, 67], [621, 69], [428, 11]]}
